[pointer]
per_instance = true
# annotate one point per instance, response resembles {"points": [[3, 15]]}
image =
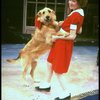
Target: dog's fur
{"points": [[46, 25]]}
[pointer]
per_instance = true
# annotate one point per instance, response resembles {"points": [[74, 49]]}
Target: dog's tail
{"points": [[14, 60]]}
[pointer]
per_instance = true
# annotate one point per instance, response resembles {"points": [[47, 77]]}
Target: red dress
{"points": [[61, 51]]}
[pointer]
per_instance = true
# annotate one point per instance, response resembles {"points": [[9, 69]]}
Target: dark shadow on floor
{"points": [[93, 97]]}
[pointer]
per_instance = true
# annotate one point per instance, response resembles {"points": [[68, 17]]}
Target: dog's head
{"points": [[45, 16]]}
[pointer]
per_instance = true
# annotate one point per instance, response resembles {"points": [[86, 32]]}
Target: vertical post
{"points": [[65, 12], [46, 3], [36, 7], [55, 5], [24, 15]]}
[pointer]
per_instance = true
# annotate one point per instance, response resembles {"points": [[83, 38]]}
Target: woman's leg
{"points": [[50, 72], [63, 83], [46, 83]]}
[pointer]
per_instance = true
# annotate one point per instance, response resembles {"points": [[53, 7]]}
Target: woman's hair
{"points": [[82, 3]]}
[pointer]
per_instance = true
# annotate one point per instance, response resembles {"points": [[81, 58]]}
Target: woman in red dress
{"points": [[61, 51]]}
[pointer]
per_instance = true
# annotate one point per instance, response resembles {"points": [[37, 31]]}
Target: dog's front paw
{"points": [[49, 42]]}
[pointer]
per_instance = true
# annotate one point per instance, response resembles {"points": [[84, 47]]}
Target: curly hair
{"points": [[82, 3]]}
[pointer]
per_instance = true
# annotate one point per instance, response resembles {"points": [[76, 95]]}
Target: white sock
{"points": [[44, 85], [63, 94]]}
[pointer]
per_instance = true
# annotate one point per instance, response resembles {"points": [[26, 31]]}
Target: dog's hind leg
{"points": [[33, 66], [25, 71], [25, 66]]}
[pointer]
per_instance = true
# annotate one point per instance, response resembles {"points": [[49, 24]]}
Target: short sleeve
{"points": [[73, 21]]}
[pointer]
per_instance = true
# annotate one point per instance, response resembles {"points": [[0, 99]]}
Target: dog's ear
{"points": [[39, 13], [37, 23], [37, 20]]}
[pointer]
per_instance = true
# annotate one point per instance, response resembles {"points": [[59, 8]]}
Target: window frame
{"points": [[30, 29]]}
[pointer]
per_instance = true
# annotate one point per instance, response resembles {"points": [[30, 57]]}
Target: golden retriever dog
{"points": [[46, 26]]}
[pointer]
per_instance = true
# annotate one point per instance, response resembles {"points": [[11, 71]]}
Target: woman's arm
{"points": [[72, 35], [61, 32], [80, 30], [67, 36], [60, 23]]}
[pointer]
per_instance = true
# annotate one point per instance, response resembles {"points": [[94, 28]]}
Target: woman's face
{"points": [[73, 4]]}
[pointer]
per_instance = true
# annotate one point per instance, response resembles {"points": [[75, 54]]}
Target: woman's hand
{"points": [[53, 38], [60, 23]]}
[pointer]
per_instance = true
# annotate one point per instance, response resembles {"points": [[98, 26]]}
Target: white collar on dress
{"points": [[80, 11]]}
